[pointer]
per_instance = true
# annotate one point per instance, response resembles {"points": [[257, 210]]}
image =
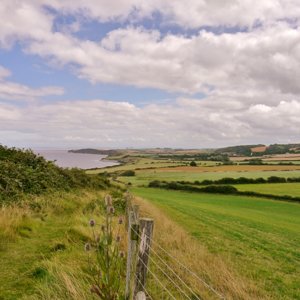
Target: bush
{"points": [[275, 179], [23, 172], [293, 179], [219, 189], [193, 163], [128, 173], [154, 184]]}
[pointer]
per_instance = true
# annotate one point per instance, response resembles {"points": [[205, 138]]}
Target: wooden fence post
{"points": [[133, 229], [146, 230]]}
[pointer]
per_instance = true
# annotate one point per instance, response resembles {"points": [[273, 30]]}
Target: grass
{"points": [[139, 163], [143, 177], [259, 238], [291, 189], [41, 249], [195, 256], [149, 163]]}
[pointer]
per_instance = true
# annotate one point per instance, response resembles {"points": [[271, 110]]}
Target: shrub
{"points": [[293, 179], [219, 189], [154, 184], [193, 163], [128, 173], [275, 179], [23, 172]]}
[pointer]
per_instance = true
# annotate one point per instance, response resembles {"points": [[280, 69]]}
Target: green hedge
{"points": [[128, 173], [23, 172], [217, 189]]}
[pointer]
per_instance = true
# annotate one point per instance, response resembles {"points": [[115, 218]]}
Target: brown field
{"points": [[236, 168], [259, 149], [279, 157]]}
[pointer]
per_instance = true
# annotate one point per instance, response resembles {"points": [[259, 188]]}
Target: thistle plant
{"points": [[106, 259]]}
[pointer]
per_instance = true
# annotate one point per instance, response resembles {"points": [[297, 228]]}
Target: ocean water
{"points": [[65, 159]]}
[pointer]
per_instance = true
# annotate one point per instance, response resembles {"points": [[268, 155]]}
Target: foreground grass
{"points": [[260, 238], [41, 247], [291, 189]]}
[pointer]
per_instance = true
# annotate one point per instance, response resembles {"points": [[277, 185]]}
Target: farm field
{"points": [[143, 177], [291, 189], [139, 163], [260, 237]]}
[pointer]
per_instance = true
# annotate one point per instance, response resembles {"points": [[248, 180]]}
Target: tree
{"points": [[193, 163]]}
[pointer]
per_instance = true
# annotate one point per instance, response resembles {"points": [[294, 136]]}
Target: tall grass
{"points": [[42, 245]]}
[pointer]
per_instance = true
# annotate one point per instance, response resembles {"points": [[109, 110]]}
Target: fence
{"points": [[159, 266]]}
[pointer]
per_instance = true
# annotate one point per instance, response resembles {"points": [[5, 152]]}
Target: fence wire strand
{"points": [[184, 267], [157, 279]]}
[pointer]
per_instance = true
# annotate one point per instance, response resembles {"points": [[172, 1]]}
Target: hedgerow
{"points": [[23, 172]]}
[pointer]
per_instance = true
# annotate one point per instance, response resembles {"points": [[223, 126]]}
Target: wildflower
{"points": [[110, 210], [87, 247], [122, 254], [92, 223], [120, 220], [108, 200]]}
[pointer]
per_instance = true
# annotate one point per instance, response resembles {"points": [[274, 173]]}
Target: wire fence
{"points": [[164, 271]]}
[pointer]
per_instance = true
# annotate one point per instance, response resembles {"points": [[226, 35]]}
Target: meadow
{"points": [[143, 177], [291, 189], [259, 237], [245, 247], [44, 224], [41, 250]]}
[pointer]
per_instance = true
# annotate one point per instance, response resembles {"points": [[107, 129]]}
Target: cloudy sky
{"points": [[149, 73]]}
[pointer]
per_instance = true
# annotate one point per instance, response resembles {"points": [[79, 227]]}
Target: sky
{"points": [[149, 73]]}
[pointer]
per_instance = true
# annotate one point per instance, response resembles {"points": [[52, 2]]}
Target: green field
{"points": [[291, 189], [260, 237], [143, 177], [140, 163]]}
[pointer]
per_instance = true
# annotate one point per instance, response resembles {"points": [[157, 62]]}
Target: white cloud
{"points": [[188, 13], [250, 77], [186, 123], [15, 91], [264, 57]]}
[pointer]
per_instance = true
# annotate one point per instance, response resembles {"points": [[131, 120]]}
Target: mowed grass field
{"points": [[143, 177], [259, 237], [291, 189]]}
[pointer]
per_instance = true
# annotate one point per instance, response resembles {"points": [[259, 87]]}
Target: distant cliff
{"points": [[96, 151]]}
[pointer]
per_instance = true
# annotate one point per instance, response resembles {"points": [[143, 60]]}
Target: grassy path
{"points": [[260, 237]]}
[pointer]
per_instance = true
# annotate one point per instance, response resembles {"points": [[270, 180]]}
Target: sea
{"points": [[66, 159]]}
